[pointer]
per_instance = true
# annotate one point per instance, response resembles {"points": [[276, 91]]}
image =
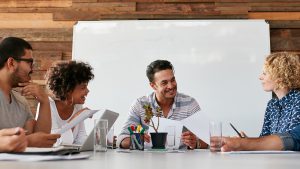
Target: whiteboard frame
{"points": [[221, 71]]}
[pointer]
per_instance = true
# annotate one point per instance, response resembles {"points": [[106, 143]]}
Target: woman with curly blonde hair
{"points": [[281, 75], [281, 128]]}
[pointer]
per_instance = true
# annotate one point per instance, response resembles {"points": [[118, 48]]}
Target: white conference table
{"points": [[149, 160]]}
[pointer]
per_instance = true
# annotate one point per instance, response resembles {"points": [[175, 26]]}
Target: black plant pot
{"points": [[158, 140]]}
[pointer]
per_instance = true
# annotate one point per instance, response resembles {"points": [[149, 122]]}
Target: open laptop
{"points": [[88, 144]]}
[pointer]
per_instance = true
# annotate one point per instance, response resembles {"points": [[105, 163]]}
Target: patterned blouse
{"points": [[282, 115]]}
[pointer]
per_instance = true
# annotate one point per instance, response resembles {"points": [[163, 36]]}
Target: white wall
{"points": [[216, 61]]}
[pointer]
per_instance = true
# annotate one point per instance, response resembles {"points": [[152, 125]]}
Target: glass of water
{"points": [[171, 141], [100, 135], [215, 133]]}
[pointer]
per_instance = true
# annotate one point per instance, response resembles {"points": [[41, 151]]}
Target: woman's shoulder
{"points": [[78, 107], [296, 94], [51, 101], [294, 97], [272, 101]]}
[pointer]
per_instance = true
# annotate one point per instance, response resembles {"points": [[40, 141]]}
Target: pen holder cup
{"points": [[137, 141]]}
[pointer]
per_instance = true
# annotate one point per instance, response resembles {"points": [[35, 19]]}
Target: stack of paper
{"points": [[23, 157]]}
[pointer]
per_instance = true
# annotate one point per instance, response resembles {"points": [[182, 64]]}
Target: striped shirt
{"points": [[183, 107]]}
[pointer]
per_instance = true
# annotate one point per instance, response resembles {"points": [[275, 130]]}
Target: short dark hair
{"points": [[12, 47], [63, 77], [157, 66]]}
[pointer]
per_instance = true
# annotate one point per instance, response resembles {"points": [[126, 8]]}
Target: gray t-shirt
{"points": [[16, 113]]}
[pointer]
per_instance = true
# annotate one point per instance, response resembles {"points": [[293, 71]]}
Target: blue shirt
{"points": [[295, 134], [291, 139], [282, 115]]}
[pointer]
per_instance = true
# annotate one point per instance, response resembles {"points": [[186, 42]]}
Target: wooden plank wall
{"points": [[47, 24]]}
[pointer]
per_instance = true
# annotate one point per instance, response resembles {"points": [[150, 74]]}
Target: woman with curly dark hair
{"points": [[67, 82]]}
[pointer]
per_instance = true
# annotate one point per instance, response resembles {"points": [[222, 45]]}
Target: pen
{"points": [[236, 131], [138, 128], [133, 139], [132, 127], [142, 131]]}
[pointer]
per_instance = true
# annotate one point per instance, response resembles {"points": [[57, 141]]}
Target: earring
{"points": [[72, 101], [67, 101]]}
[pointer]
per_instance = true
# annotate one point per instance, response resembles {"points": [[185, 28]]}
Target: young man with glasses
{"points": [[16, 63]]}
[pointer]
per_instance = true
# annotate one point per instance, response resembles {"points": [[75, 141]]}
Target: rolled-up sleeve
{"points": [[287, 141], [134, 118], [291, 139], [295, 133]]}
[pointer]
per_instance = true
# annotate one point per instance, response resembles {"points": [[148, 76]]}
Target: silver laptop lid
{"points": [[111, 117]]}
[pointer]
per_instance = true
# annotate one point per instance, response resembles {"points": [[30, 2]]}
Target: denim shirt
{"points": [[291, 139], [282, 115]]}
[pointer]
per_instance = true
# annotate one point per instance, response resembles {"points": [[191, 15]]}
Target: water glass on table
{"points": [[171, 141], [215, 134], [100, 135]]}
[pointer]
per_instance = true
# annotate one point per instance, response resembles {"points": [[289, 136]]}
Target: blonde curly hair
{"points": [[284, 69]]}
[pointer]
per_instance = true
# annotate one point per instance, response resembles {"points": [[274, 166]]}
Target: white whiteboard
{"points": [[216, 61]]}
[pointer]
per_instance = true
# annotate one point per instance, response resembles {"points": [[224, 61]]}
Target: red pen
{"points": [[132, 127]]}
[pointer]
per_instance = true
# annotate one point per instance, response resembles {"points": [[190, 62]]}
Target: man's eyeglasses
{"points": [[28, 60]]}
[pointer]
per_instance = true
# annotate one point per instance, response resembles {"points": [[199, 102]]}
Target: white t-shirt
{"points": [[78, 135]]}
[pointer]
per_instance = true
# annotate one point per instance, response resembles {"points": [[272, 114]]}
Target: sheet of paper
{"points": [[163, 124], [261, 152], [50, 149], [42, 150], [163, 151], [82, 116], [29, 158], [150, 151], [198, 123]]}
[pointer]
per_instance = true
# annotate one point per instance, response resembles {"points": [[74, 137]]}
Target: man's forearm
{"points": [[125, 143], [272, 142], [43, 123]]}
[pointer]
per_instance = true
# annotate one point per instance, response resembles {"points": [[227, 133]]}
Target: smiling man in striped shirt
{"points": [[174, 105]]}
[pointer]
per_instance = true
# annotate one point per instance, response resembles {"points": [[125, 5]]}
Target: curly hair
{"points": [[63, 77], [284, 66]]}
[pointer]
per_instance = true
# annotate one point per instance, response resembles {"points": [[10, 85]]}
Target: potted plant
{"points": [[158, 138]]}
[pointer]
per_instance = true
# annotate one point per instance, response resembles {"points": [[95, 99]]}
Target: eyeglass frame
{"points": [[27, 60]]}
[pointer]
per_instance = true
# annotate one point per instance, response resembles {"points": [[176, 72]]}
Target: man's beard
{"points": [[175, 92], [16, 78]]}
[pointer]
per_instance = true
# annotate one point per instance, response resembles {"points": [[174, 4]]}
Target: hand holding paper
{"points": [[198, 124], [86, 113]]}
